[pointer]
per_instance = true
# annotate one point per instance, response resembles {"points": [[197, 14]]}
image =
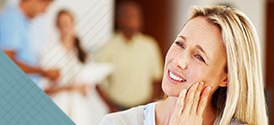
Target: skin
{"points": [[130, 20], [199, 57], [32, 8], [82, 89], [65, 26]]}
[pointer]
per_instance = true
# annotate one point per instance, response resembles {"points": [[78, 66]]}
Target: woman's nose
{"points": [[182, 62]]}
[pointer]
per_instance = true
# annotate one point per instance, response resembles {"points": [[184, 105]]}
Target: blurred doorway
{"points": [[270, 55]]}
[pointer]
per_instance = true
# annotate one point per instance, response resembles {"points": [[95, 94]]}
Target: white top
{"points": [[83, 110], [56, 56], [141, 115]]}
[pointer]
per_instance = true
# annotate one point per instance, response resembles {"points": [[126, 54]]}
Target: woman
{"points": [[67, 55], [212, 75]]}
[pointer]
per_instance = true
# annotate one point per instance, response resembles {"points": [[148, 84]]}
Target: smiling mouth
{"points": [[176, 77]]}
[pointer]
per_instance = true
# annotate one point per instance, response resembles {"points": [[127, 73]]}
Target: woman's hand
{"points": [[52, 74], [191, 105], [83, 89]]}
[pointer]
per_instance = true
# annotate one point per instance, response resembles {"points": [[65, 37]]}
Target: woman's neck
{"points": [[164, 110], [68, 42]]}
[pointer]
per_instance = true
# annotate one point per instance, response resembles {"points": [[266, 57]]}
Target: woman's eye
{"points": [[199, 57], [180, 44]]}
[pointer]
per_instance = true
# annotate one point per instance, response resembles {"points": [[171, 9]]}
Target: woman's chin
{"points": [[170, 92]]}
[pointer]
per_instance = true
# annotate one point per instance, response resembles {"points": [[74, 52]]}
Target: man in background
{"points": [[15, 39], [137, 62]]}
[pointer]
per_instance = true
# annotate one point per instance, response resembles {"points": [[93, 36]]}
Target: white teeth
{"points": [[175, 77]]}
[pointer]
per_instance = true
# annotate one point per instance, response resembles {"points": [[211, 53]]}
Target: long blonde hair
{"points": [[245, 99]]}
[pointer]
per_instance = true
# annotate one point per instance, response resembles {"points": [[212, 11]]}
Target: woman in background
{"points": [[212, 75], [69, 56]]}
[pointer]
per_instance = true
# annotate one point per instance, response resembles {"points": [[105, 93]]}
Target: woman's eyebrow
{"points": [[182, 37], [197, 46], [200, 48]]}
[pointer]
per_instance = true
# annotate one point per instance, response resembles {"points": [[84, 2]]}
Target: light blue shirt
{"points": [[143, 115], [14, 35], [149, 114]]}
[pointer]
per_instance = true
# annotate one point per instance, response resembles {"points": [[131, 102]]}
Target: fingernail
{"points": [[202, 83], [208, 88]]}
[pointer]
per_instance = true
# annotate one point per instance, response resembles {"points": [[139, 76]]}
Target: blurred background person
{"points": [[69, 56], [137, 61], [14, 37]]}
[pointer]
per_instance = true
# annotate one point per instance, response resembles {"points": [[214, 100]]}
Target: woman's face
{"points": [[65, 24], [198, 54]]}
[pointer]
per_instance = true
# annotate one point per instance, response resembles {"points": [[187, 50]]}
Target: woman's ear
{"points": [[224, 82]]}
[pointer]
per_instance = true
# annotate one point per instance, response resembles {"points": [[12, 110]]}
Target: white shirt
{"points": [[81, 109]]}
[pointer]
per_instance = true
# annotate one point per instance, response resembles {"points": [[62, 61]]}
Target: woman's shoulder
{"points": [[133, 116]]}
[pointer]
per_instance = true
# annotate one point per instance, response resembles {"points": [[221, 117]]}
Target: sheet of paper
{"points": [[94, 73]]}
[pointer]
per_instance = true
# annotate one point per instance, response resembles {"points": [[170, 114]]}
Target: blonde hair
{"points": [[245, 99]]}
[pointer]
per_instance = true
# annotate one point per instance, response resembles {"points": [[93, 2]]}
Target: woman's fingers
{"points": [[189, 98], [190, 105], [193, 101], [180, 102], [196, 98], [203, 100]]}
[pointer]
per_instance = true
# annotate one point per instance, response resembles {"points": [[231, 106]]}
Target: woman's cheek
{"points": [[171, 55], [196, 74], [172, 52], [168, 56], [204, 75]]}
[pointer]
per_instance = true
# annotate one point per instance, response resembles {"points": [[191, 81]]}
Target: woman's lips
{"points": [[175, 78]]}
